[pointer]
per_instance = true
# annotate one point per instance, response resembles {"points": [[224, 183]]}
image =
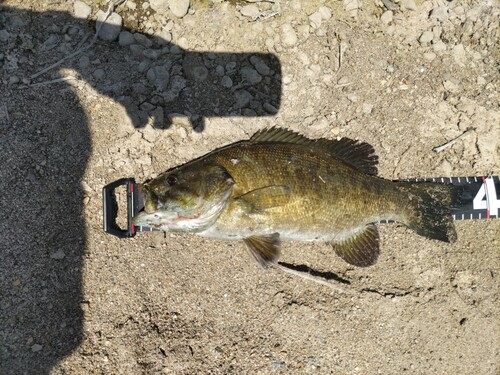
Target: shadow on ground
{"points": [[45, 146]]}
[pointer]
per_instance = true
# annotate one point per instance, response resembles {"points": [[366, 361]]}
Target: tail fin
{"points": [[428, 213]]}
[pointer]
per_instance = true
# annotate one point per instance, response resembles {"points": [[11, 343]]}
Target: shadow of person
{"points": [[46, 143]]}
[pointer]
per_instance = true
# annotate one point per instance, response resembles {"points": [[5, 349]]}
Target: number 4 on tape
{"points": [[486, 198]]}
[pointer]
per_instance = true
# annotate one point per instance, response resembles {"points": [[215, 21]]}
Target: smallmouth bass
{"points": [[280, 185]]}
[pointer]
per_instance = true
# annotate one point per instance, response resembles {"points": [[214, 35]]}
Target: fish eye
{"points": [[171, 180]]}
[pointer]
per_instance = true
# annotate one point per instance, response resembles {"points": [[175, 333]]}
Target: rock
{"points": [[250, 75], [439, 46], [4, 36], [179, 8], [164, 37], [481, 81], [250, 10], [288, 35], [260, 66], [13, 80], [459, 54], [386, 17], [440, 14], [429, 56], [136, 49], [99, 74], [219, 70], [131, 5], [367, 108], [426, 37], [144, 66], [84, 62], [159, 6], [269, 108], [315, 19], [410, 5], [111, 28], [143, 40], [352, 6], [326, 13], [193, 68], [151, 54], [58, 255], [445, 168], [126, 38], [226, 82], [81, 10], [159, 77], [36, 348], [243, 98], [352, 97]]}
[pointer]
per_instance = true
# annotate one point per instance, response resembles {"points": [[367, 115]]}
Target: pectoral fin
{"points": [[361, 249], [265, 198], [264, 249]]}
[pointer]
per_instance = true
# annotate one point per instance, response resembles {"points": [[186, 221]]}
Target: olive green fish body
{"points": [[281, 185], [327, 196]]}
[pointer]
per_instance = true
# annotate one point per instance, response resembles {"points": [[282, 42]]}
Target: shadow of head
{"points": [[155, 79]]}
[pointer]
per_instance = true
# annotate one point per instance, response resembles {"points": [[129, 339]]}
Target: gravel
{"points": [[111, 28]]}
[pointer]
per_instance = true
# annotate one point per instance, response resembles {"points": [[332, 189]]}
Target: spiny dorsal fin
{"points": [[264, 198], [280, 135], [358, 154], [360, 249], [264, 249]]}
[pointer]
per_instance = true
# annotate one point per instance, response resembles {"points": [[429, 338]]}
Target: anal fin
{"points": [[264, 249], [360, 249]]}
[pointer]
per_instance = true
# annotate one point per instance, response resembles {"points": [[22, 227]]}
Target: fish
{"points": [[282, 186]]}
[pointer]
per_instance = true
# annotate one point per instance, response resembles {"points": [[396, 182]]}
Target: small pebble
{"points": [[315, 19], [159, 6], [136, 49], [288, 35], [410, 5], [81, 10], [386, 17], [13, 80], [151, 54], [219, 70], [426, 37], [99, 74], [250, 10], [159, 77], [326, 13], [143, 40], [243, 98], [481, 81], [164, 37], [439, 46], [367, 108], [179, 8], [250, 75], [226, 82], [126, 38], [429, 56], [111, 28], [269, 108], [58, 255], [4, 36], [84, 62], [36, 348]]}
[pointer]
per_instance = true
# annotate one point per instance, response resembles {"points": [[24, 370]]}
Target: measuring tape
{"points": [[478, 200]]}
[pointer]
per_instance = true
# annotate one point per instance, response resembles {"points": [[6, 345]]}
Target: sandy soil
{"points": [[74, 300]]}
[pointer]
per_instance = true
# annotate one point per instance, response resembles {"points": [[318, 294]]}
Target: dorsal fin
{"points": [[358, 154], [280, 135]]}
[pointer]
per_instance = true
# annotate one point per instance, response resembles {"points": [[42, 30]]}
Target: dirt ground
{"points": [[74, 300]]}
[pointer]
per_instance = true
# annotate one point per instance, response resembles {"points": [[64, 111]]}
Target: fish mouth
{"points": [[194, 220]]}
